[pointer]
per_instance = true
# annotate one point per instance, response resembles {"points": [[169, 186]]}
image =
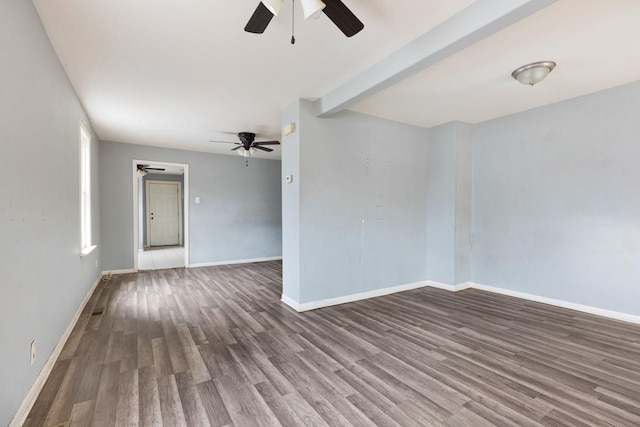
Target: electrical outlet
{"points": [[33, 351]]}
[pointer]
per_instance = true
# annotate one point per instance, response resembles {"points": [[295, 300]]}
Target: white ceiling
{"points": [[180, 73], [594, 42]]}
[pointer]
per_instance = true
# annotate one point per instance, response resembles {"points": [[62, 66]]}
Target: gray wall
{"points": [[239, 216], [556, 206], [449, 203], [43, 278], [291, 204], [441, 207], [543, 202], [362, 204]]}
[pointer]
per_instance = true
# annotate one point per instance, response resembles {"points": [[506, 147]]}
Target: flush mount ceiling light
{"points": [[533, 73]]}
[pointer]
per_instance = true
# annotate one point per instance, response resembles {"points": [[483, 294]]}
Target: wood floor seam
{"points": [[215, 346]]}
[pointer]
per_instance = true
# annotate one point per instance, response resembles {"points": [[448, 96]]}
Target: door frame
{"points": [[148, 203], [136, 211]]}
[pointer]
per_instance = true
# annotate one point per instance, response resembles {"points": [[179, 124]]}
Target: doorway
{"points": [[161, 214]]}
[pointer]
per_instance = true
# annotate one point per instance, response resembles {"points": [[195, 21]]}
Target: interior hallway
{"points": [[161, 258]]}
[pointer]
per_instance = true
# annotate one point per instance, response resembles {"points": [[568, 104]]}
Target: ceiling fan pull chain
{"points": [[293, 14]]}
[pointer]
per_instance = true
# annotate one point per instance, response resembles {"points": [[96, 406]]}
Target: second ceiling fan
{"points": [[248, 145], [337, 12]]}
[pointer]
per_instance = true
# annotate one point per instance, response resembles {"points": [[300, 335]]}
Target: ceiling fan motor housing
{"points": [[247, 139]]}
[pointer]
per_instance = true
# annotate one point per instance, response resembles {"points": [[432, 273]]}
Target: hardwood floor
{"points": [[214, 346]]}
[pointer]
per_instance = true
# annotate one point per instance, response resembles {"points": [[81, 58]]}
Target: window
{"points": [[85, 190]]}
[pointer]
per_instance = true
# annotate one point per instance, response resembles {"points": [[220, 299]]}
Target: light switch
{"points": [[197, 200]]}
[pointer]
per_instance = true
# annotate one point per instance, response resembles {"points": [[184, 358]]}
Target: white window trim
{"points": [[85, 192]]}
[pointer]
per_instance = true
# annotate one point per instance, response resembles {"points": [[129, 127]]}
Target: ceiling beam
{"points": [[476, 22]]}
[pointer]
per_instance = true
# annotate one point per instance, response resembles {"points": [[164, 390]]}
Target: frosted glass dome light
{"points": [[533, 73]]}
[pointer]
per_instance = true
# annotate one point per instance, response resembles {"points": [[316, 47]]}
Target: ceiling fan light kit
{"points": [[248, 146], [335, 10], [273, 6], [246, 153], [533, 73], [312, 8]]}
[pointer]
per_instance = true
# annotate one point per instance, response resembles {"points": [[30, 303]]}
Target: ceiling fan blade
{"points": [[259, 20], [263, 148], [225, 132], [237, 148], [344, 19], [267, 142], [225, 142]]}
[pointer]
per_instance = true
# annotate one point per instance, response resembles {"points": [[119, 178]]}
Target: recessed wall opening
{"points": [[161, 220]]}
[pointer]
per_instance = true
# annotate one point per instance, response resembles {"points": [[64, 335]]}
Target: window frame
{"points": [[86, 244]]}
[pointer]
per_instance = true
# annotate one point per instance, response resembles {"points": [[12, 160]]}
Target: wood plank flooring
{"points": [[215, 346]]}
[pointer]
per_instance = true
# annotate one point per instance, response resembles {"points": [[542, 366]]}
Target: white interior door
{"points": [[163, 213]]}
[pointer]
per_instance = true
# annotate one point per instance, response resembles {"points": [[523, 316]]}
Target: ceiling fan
{"points": [[248, 146], [144, 169], [337, 12]]}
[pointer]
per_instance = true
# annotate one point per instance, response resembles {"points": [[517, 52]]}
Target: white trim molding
{"points": [[456, 288], [235, 261], [350, 298], [30, 399], [560, 303], [451, 288], [185, 208], [291, 303], [116, 272], [86, 251]]}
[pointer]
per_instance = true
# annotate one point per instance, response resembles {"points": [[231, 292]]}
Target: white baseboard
{"points": [[460, 287], [560, 303], [28, 402], [116, 272], [350, 298], [235, 261], [451, 288], [291, 303]]}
